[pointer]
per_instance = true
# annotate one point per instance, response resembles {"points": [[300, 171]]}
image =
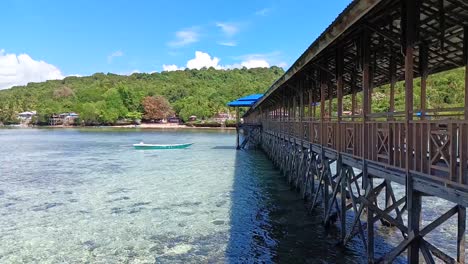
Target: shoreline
{"points": [[172, 126], [141, 126]]}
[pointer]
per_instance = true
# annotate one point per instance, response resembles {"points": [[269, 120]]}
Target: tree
{"points": [[114, 107], [156, 107], [89, 113]]}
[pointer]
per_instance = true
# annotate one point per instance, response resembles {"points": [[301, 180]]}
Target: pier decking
{"points": [[371, 44]]}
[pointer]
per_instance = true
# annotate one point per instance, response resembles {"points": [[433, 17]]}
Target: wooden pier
{"points": [[349, 162]]}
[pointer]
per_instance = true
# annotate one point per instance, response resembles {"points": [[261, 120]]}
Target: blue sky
{"points": [[123, 36]]}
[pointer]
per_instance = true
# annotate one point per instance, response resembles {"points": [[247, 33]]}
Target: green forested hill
{"points": [[443, 90], [105, 98]]}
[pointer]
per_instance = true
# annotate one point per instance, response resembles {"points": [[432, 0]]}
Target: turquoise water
{"points": [[86, 196]]}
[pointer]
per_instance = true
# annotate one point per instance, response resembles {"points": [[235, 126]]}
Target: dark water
{"points": [[86, 196]]}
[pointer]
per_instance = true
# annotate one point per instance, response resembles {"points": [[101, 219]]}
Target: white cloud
{"points": [[255, 64], [272, 58], [22, 69], [114, 54], [171, 67], [227, 43], [203, 59], [263, 12], [185, 37], [229, 29]]}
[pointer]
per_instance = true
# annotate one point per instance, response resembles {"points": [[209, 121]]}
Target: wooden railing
{"points": [[438, 148]]}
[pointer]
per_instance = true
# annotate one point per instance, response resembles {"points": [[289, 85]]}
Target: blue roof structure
{"points": [[246, 101], [252, 97]]}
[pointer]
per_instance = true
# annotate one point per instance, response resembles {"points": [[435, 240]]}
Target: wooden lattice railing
{"points": [[437, 148]]}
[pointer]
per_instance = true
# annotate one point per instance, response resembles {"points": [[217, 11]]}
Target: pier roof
{"points": [[246, 101], [382, 20]]}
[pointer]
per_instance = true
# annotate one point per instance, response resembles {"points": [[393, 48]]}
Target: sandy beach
{"points": [[171, 126]]}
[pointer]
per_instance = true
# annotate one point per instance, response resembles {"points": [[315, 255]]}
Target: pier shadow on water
{"points": [[270, 223]]}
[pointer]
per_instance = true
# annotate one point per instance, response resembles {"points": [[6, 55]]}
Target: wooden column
{"points": [[393, 79], [365, 53], [353, 93], [461, 234], [410, 19], [366, 74], [423, 57], [461, 243], [465, 57], [371, 81], [302, 110], [330, 100], [237, 128], [310, 98], [314, 110], [366, 181], [339, 94], [323, 88]]}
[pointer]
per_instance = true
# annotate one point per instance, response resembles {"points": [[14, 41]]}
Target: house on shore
{"points": [[63, 119], [26, 117]]}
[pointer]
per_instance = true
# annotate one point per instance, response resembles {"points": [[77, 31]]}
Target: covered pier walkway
{"points": [[307, 129]]}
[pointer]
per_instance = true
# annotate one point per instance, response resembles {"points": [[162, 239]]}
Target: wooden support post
{"points": [[344, 175], [410, 18], [314, 111], [365, 107], [301, 110], [463, 156], [393, 80], [237, 128], [353, 93], [370, 225], [465, 60], [323, 87], [339, 93], [461, 234], [423, 68], [330, 100], [371, 86]]}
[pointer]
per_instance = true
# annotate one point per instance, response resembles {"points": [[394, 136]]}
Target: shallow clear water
{"points": [[85, 195]]}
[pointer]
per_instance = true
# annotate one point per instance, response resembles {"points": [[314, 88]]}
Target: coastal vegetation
{"points": [[104, 99], [107, 98], [443, 90]]}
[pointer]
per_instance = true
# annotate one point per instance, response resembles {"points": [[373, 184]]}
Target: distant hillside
{"points": [[105, 98]]}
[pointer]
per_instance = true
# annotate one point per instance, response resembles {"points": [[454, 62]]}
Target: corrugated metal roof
{"points": [[246, 101], [252, 97], [241, 103]]}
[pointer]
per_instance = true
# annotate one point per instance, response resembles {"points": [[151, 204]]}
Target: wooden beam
{"points": [[392, 255], [441, 24], [440, 220], [438, 253]]}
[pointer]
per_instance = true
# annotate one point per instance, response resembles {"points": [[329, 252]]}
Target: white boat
{"points": [[142, 145]]}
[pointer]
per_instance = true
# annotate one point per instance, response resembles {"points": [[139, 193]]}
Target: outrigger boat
{"points": [[142, 145]]}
